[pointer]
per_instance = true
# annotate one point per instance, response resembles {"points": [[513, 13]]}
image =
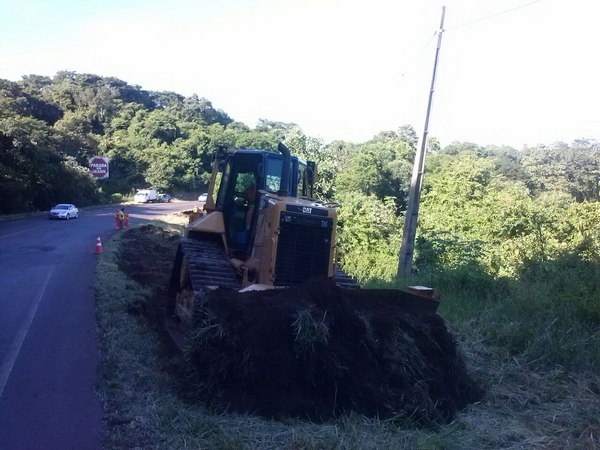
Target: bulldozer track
{"points": [[207, 265], [201, 265], [343, 280]]}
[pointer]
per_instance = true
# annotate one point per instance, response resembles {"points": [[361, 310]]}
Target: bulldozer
{"points": [[263, 228], [269, 325]]}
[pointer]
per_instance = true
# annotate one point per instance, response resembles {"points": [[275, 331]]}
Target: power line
{"points": [[430, 39], [499, 13]]}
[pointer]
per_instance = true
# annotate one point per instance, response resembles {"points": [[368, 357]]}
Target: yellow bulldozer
{"points": [[319, 346], [263, 228]]}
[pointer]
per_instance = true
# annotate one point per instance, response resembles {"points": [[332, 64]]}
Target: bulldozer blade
{"points": [[374, 298]]}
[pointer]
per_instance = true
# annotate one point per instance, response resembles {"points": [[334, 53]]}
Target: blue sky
{"points": [[514, 72]]}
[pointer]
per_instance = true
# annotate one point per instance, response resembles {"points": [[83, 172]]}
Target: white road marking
{"points": [[13, 353]]}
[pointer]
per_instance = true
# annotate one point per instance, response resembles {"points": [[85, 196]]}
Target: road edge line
{"points": [[15, 348]]}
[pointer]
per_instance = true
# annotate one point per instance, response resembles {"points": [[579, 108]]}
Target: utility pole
{"points": [[412, 210]]}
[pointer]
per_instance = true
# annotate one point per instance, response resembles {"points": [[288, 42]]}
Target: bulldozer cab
{"points": [[247, 176]]}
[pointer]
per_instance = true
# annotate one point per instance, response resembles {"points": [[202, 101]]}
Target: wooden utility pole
{"points": [[412, 210]]}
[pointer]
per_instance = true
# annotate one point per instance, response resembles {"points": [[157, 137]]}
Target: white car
{"points": [[203, 198], [64, 211]]}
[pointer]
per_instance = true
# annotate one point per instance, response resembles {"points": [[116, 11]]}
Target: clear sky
{"points": [[514, 72]]}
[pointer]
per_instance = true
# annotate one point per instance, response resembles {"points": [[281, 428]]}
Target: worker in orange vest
{"points": [[125, 217], [117, 220], [121, 214]]}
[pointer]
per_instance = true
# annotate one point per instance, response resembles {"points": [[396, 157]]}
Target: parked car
{"points": [[163, 198], [64, 211], [203, 197]]}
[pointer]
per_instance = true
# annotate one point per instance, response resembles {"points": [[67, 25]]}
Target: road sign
{"points": [[99, 167]]}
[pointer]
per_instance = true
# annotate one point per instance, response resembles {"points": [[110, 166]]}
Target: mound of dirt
{"points": [[146, 255], [316, 350], [311, 351], [147, 252]]}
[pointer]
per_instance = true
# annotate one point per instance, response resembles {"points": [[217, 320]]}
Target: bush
{"points": [[117, 197]]}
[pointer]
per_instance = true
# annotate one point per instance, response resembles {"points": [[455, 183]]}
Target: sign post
{"points": [[99, 167]]}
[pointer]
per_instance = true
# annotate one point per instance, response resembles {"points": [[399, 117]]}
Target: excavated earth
{"points": [[312, 351]]}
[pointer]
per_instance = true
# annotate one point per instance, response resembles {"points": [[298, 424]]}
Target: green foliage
{"points": [[465, 197], [552, 315], [442, 252], [331, 160], [571, 170], [49, 128], [369, 233], [34, 174], [381, 167]]}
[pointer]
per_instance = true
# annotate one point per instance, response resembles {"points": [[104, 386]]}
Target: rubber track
{"points": [[208, 265], [342, 279]]}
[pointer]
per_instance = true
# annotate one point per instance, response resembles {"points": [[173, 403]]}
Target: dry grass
{"points": [[524, 407], [309, 331], [528, 408]]}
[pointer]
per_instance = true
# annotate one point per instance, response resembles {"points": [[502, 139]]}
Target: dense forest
{"points": [[511, 236]]}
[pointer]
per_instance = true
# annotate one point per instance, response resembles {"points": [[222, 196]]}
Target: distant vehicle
{"points": [[203, 197], [163, 198], [145, 196], [64, 211]]}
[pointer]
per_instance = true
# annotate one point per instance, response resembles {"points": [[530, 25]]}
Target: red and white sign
{"points": [[99, 166]]}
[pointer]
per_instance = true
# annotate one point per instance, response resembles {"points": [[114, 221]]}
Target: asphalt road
{"points": [[48, 349]]}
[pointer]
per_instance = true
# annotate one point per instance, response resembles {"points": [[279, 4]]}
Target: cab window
{"points": [[302, 180], [223, 187], [273, 175]]}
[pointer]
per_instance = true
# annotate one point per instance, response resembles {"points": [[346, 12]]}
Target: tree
{"points": [[369, 234], [380, 167], [200, 109], [331, 160], [575, 171], [408, 134], [461, 147]]}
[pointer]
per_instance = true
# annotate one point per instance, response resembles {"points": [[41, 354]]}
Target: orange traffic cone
{"points": [[98, 245]]}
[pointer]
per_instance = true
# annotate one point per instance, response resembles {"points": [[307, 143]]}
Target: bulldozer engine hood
{"points": [[294, 240], [315, 211]]}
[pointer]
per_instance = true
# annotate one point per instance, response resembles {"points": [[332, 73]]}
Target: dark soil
{"points": [[311, 351], [146, 255]]}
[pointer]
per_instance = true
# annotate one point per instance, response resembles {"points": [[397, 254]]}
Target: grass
{"points": [[530, 403], [309, 331]]}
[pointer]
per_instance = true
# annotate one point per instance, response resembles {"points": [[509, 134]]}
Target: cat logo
{"points": [[306, 210]]}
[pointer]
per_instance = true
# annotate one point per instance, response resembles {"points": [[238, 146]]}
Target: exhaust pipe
{"points": [[285, 170]]}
